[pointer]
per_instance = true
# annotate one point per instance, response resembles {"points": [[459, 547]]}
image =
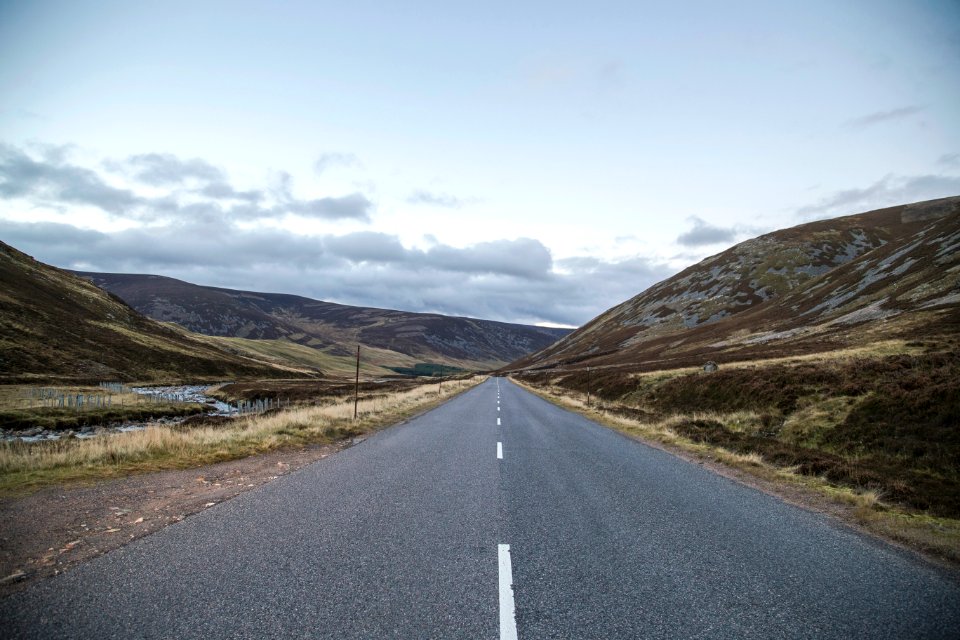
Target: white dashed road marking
{"points": [[508, 621]]}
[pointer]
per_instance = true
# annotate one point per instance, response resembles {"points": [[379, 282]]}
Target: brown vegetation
{"points": [[308, 391], [56, 327], [826, 285], [331, 331]]}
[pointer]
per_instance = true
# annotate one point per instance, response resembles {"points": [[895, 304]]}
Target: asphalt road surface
{"points": [[496, 515]]}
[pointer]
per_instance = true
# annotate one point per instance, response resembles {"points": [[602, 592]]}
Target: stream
{"points": [[178, 393]]}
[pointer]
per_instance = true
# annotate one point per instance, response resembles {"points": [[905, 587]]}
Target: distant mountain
{"points": [[55, 326], [396, 339], [885, 274]]}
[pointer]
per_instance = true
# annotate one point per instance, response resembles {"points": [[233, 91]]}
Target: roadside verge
{"points": [[72, 514], [935, 539]]}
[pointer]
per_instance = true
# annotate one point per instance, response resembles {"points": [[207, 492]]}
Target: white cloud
{"points": [[437, 199]]}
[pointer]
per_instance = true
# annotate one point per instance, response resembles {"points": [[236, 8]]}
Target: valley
{"points": [[817, 364], [321, 337]]}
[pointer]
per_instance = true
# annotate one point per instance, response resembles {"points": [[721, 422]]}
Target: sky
{"points": [[534, 162]]}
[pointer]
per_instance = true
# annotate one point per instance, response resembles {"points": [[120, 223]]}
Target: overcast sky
{"points": [[532, 162]]}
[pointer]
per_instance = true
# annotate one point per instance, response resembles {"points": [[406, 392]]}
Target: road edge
{"points": [[837, 512]]}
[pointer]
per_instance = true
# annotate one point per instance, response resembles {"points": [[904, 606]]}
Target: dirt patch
{"points": [[54, 529]]}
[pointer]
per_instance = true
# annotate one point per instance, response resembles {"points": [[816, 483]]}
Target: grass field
{"points": [[304, 359]]}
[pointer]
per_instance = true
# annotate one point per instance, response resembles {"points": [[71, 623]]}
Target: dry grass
{"points": [[815, 416], [873, 350], [937, 536], [25, 396], [28, 465]]}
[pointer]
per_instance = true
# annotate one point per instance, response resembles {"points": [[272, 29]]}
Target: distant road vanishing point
{"points": [[497, 515]]}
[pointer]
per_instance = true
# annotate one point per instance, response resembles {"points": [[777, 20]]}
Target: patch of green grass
{"points": [[814, 418], [422, 369], [300, 358]]}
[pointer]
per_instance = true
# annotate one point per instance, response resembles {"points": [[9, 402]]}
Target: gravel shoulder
{"points": [[56, 528]]}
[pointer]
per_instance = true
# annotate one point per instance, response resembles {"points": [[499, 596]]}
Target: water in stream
{"points": [[179, 393]]}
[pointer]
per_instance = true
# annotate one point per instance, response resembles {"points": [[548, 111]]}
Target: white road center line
{"points": [[498, 422], [499, 451], [508, 620]]}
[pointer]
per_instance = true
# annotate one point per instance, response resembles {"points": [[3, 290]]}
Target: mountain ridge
{"points": [[56, 326], [759, 286], [331, 328]]}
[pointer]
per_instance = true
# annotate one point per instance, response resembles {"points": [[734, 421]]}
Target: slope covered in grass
{"points": [[56, 326]]}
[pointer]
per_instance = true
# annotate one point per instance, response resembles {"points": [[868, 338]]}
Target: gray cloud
{"points": [[886, 192], [438, 199], [523, 258], [195, 237], [367, 246], [877, 117], [509, 280], [703, 233], [165, 169], [53, 181], [222, 190], [327, 160], [354, 206], [949, 160]]}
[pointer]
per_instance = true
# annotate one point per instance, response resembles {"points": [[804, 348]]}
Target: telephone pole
{"points": [[356, 387]]}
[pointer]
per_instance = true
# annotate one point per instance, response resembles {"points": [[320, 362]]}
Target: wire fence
{"points": [[117, 394]]}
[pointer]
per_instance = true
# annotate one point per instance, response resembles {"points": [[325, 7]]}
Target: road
{"points": [[496, 515]]}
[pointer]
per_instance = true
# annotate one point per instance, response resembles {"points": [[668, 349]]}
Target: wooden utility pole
{"points": [[588, 386], [356, 388], [440, 386]]}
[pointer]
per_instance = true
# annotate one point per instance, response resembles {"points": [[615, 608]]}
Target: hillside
{"points": [[55, 326], [246, 320], [890, 273]]}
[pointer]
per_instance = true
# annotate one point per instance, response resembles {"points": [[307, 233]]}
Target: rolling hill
{"points": [[893, 273], [323, 332], [57, 327]]}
